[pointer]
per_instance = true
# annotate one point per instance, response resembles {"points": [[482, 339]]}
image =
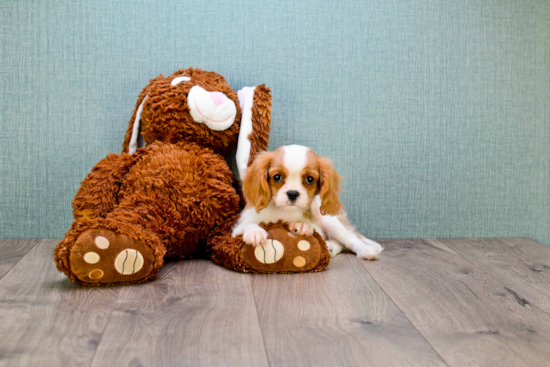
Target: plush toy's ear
{"points": [[255, 125], [133, 139]]}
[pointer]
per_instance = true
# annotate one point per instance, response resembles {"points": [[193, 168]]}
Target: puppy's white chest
{"points": [[286, 215]]}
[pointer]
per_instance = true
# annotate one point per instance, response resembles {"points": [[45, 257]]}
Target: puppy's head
{"points": [[291, 177]]}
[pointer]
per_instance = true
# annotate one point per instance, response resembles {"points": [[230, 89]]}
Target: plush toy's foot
{"points": [[102, 256], [284, 252], [101, 251]]}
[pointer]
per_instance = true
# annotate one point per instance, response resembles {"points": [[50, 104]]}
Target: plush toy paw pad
{"points": [[283, 252], [129, 261], [304, 245], [101, 242], [299, 261], [96, 274], [91, 257], [102, 256], [270, 252]]}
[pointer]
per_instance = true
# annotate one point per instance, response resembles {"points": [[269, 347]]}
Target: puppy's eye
{"points": [[278, 178], [310, 180]]}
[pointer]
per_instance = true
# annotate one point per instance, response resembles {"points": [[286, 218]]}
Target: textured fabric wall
{"points": [[435, 112]]}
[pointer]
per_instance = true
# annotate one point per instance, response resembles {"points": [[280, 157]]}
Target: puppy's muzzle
{"points": [[292, 195]]}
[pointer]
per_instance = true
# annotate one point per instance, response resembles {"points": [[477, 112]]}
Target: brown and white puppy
{"points": [[297, 186]]}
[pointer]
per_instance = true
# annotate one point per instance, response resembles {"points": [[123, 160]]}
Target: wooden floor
{"points": [[462, 302]]}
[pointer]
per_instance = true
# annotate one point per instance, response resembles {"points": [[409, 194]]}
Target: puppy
{"points": [[296, 185]]}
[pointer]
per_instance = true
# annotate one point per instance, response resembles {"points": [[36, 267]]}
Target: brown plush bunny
{"points": [[171, 194]]}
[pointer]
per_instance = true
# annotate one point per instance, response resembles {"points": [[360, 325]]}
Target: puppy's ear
{"points": [[255, 185], [330, 185]]}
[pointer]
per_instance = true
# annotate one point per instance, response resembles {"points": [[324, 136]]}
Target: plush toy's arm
{"points": [[98, 192]]}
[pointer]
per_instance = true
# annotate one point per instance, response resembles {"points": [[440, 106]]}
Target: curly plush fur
{"points": [[174, 198]]}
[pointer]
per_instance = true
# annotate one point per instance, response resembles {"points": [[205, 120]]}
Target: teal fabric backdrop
{"points": [[437, 113]]}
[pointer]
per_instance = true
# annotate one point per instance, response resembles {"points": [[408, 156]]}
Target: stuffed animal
{"points": [[171, 194]]}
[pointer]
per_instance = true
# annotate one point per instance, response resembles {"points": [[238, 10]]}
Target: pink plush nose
{"points": [[218, 98]]}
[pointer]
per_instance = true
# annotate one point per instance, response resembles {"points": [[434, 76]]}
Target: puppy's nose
{"points": [[218, 98], [292, 195]]}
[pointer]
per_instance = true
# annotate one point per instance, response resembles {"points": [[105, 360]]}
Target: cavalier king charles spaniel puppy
{"points": [[297, 186]]}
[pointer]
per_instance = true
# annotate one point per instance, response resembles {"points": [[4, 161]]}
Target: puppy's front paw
{"points": [[255, 236], [300, 228], [370, 250]]}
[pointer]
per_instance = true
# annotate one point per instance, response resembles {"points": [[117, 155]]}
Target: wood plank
{"points": [[194, 314], [527, 249], [467, 316], [339, 317], [11, 251], [45, 320], [521, 264]]}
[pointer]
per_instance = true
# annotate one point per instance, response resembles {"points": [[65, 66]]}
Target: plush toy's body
{"points": [[176, 197]]}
